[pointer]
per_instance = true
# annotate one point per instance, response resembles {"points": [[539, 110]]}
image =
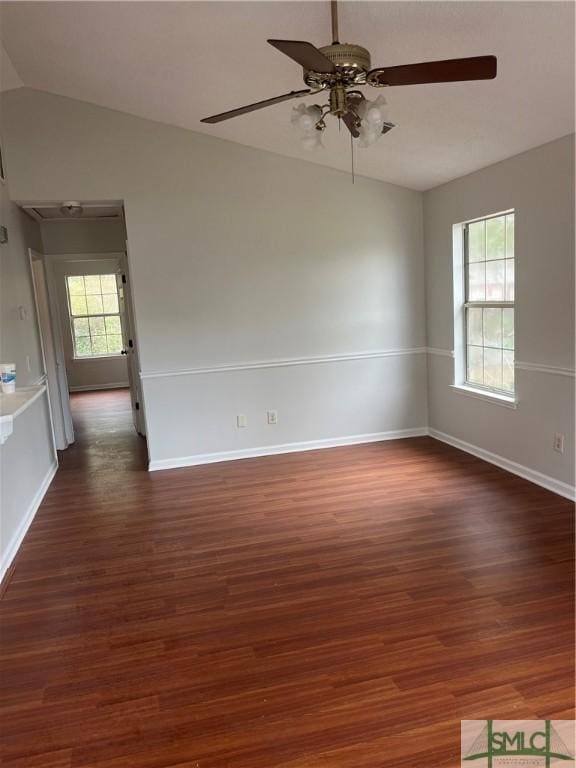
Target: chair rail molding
{"points": [[552, 369], [286, 362]]}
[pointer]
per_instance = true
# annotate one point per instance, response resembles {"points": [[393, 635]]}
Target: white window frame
{"points": [[72, 317], [461, 304]]}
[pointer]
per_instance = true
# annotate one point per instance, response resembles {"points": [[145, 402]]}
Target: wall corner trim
{"points": [[545, 481], [271, 450], [440, 352], [26, 521]]}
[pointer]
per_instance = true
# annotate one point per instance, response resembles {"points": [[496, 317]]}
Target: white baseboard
{"points": [[270, 450], [550, 483], [95, 387], [22, 529]]}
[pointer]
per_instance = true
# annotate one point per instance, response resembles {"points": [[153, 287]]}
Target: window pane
{"points": [[496, 238], [76, 286], [476, 241], [113, 325], [78, 305], [108, 283], [83, 346], [81, 327], [493, 368], [97, 327], [476, 282], [475, 327], [508, 328], [510, 236], [114, 344], [492, 327], [509, 280], [475, 360], [490, 280], [495, 281], [92, 283], [508, 371], [110, 303], [94, 304], [99, 345]]}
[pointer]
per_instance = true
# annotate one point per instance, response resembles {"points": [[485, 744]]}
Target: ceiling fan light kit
{"points": [[340, 69]]}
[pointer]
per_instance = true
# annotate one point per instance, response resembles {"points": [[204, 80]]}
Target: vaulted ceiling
{"points": [[177, 62]]}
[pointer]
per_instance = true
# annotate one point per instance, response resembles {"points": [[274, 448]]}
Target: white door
{"points": [[52, 354], [129, 346]]}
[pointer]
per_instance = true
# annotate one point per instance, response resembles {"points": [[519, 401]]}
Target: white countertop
{"points": [[12, 405]]}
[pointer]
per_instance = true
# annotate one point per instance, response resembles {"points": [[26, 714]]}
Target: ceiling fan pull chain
{"points": [[352, 156]]}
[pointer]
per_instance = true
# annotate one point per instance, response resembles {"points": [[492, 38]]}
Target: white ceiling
{"points": [[177, 62]]}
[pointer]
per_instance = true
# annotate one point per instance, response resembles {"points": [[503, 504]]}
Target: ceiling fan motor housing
{"points": [[352, 64]]}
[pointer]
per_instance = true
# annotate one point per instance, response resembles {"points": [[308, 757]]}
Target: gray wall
{"points": [[74, 248], [244, 258], [539, 185], [27, 457], [19, 338], [83, 236]]}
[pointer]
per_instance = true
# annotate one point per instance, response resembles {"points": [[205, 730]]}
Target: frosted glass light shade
{"points": [[373, 117], [304, 120]]}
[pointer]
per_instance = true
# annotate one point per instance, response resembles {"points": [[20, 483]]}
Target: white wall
{"points": [[240, 257], [74, 248], [27, 466], [539, 185], [27, 460]]}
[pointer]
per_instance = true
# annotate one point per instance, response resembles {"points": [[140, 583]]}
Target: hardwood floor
{"points": [[332, 609]]}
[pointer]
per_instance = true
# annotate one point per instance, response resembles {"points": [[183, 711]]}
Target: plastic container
{"points": [[8, 377]]}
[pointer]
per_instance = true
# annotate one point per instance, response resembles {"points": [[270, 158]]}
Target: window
{"points": [[489, 303], [94, 315]]}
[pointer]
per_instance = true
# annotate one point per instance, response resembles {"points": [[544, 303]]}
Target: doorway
{"points": [[85, 315]]}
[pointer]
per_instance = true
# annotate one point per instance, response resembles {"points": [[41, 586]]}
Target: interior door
{"points": [[52, 355], [129, 346]]}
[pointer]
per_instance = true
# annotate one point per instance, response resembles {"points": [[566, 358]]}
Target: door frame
{"points": [[52, 350], [52, 263], [134, 356]]}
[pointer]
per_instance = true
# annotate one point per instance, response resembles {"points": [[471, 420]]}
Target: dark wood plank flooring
{"points": [[331, 609]]}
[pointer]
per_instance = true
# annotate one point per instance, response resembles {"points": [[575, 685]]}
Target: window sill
{"points": [[508, 401], [91, 358]]}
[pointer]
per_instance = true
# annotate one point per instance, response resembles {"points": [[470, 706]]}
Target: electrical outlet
{"points": [[558, 443], [272, 417], [241, 421]]}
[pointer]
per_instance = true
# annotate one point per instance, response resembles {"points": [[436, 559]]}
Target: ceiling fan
{"points": [[341, 67]]}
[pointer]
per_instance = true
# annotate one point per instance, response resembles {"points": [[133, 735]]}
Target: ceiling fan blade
{"points": [[305, 54], [449, 71], [253, 107], [349, 121]]}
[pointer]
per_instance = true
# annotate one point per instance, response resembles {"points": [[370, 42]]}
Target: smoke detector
{"points": [[72, 209]]}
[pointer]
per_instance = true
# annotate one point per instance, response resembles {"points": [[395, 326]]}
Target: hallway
{"points": [[105, 438], [341, 608]]}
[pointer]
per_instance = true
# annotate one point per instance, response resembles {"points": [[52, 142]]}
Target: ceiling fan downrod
{"points": [[334, 14]]}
